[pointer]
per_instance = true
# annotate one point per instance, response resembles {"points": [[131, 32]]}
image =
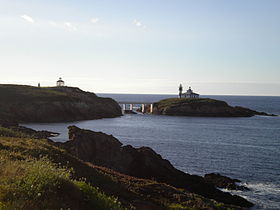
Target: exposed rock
{"points": [[129, 112], [223, 182], [131, 192], [27, 131], [201, 107], [54, 104], [105, 150]]}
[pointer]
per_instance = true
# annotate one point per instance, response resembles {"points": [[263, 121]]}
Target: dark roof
{"points": [[60, 80]]}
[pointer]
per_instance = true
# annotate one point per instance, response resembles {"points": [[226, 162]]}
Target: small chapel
{"points": [[188, 94], [60, 82]]}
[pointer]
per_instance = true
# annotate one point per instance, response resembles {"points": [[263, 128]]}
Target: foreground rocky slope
{"points": [[36, 174], [107, 151], [201, 107], [53, 104]]}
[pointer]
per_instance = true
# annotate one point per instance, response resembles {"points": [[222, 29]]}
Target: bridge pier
{"points": [[123, 108], [151, 108], [143, 106]]}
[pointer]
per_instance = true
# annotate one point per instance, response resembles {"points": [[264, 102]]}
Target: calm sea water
{"points": [[242, 148]]}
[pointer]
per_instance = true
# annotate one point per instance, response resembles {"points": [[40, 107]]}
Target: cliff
{"points": [[107, 151], [21, 103], [201, 107], [36, 174]]}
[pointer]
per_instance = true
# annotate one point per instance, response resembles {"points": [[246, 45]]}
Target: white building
{"points": [[60, 82], [190, 94]]}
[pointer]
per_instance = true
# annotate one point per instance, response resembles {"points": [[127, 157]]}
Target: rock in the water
{"points": [[129, 112], [105, 150], [201, 107], [223, 182]]}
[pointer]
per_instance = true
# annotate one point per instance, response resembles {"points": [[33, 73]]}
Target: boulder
{"points": [[223, 182]]}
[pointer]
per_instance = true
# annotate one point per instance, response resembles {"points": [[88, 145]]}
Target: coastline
{"points": [[157, 125], [202, 155]]}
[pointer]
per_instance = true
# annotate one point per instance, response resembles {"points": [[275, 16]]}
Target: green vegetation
{"points": [[36, 174], [24, 93], [176, 206], [8, 132], [22, 103], [27, 183], [189, 101]]}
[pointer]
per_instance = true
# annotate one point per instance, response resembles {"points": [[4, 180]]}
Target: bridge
{"points": [[130, 104]]}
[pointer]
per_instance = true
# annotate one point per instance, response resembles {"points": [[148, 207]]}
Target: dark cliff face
{"points": [[105, 150], [201, 107], [54, 104]]}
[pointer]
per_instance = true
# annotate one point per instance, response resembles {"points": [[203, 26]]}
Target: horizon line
{"points": [[199, 94]]}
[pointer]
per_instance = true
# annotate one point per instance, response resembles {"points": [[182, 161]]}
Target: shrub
{"points": [[96, 199], [41, 184]]}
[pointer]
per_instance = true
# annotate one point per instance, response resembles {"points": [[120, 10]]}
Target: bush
{"points": [[41, 184]]}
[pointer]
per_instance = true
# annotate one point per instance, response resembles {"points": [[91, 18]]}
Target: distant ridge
{"points": [[22, 103]]}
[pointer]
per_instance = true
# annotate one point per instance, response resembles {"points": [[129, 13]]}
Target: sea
{"points": [[242, 148]]}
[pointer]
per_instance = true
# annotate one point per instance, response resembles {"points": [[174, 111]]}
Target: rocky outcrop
{"points": [[54, 104], [95, 183], [105, 150], [129, 112], [12, 129], [201, 107], [224, 182]]}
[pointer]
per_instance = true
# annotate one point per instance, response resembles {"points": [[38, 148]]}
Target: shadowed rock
{"points": [[105, 150], [223, 182]]}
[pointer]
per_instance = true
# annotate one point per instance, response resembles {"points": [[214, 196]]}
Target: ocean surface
{"points": [[244, 148]]}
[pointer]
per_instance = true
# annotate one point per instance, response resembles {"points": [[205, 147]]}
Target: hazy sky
{"points": [[143, 46]]}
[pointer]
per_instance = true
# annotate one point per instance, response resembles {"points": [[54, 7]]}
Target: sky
{"points": [[218, 47]]}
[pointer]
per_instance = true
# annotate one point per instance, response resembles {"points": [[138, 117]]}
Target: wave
{"points": [[263, 195], [264, 188]]}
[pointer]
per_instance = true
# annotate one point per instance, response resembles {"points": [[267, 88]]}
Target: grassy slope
{"points": [[35, 174], [24, 92], [12, 93], [31, 177], [28, 95], [190, 101], [21, 103]]}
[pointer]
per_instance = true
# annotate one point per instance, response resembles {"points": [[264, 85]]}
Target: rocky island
{"points": [[201, 107], [21, 103]]}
